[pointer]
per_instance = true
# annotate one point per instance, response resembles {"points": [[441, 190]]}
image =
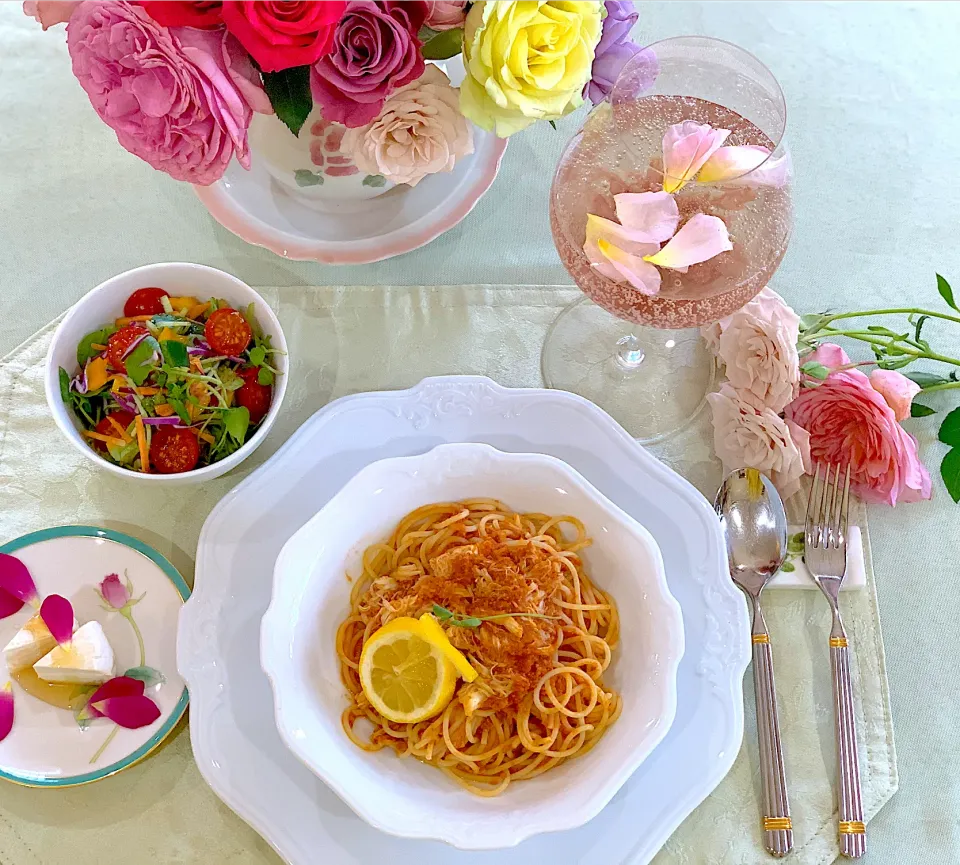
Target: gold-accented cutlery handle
{"points": [[777, 825], [851, 828]]}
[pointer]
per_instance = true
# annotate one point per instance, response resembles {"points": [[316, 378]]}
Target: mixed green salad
{"points": [[174, 384]]}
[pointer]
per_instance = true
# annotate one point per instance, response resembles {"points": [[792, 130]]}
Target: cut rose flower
{"points": [[851, 424], [420, 131], [747, 437]]}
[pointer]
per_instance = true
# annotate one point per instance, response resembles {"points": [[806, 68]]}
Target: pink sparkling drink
{"points": [[619, 150]]}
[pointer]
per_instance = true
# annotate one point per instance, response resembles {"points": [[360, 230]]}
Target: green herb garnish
{"points": [[98, 337], [461, 620], [175, 353]]}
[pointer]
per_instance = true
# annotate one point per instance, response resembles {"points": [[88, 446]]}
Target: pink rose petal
{"points": [[748, 165], [827, 354], [896, 389], [130, 712], [6, 711], [114, 592], [686, 147], [644, 277], [653, 216], [57, 614], [598, 229], [701, 238], [118, 686], [9, 604], [15, 579]]}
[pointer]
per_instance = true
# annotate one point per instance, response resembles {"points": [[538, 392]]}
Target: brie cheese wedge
{"points": [[29, 644], [87, 659]]}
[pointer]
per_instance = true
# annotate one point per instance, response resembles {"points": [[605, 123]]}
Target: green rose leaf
{"points": [[175, 353], [100, 337], [148, 675], [237, 421], [374, 180], [946, 292], [443, 45], [918, 409], [303, 177], [925, 379], [142, 361], [815, 370], [950, 472], [812, 321], [289, 94], [950, 429]]}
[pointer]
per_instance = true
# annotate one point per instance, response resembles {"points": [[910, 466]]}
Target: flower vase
{"points": [[311, 166]]}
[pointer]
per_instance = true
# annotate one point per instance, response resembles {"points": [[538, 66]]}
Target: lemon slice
{"points": [[434, 633], [406, 676]]}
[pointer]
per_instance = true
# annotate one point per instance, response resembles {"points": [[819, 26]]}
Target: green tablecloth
{"points": [[874, 126]]}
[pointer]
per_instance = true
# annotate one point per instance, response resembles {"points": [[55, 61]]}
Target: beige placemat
{"points": [[345, 340]]}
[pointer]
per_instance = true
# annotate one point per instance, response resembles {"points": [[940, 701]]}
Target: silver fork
{"points": [[825, 552]]}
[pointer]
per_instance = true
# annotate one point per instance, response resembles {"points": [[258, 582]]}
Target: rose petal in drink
{"points": [[644, 277], [615, 234], [651, 216], [686, 147], [747, 165], [701, 237]]}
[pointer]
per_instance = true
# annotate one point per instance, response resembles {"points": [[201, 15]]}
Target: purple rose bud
{"points": [[614, 49]]}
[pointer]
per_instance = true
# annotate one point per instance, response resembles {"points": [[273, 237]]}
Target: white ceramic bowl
{"points": [[105, 303], [405, 797]]}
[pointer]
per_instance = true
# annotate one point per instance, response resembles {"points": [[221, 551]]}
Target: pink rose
{"points": [[758, 344], [167, 93], [50, 12], [375, 51], [896, 389], [850, 423], [747, 437], [446, 14]]}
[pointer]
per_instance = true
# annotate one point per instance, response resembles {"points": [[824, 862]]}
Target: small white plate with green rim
{"points": [[47, 746]]}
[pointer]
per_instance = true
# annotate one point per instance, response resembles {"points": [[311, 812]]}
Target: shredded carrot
{"points": [[142, 442], [110, 440], [164, 409], [123, 433], [97, 347], [129, 319], [206, 437], [198, 310], [148, 391]]}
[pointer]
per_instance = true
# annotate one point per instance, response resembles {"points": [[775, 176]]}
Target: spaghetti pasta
{"points": [[540, 698]]}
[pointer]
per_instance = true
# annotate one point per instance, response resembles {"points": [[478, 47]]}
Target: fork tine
{"points": [[825, 507], [812, 508], [844, 518], [835, 519]]}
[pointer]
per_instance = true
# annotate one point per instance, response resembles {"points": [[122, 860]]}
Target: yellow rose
{"points": [[527, 61]]}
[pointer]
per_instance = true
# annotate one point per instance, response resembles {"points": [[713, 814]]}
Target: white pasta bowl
{"points": [[404, 797]]}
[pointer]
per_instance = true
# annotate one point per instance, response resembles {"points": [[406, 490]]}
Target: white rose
{"points": [[419, 131], [747, 437], [758, 345]]}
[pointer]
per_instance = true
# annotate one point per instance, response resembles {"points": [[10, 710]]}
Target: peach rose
{"points": [[420, 131], [745, 436], [850, 423]]}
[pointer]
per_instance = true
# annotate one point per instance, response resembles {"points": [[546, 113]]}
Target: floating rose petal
{"points": [[57, 615], [653, 216], [130, 712], [612, 232], [114, 592], [644, 277], [686, 147], [15, 580], [700, 238], [117, 687], [6, 710], [748, 165]]}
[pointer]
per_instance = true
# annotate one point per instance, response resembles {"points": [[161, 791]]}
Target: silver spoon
{"points": [[755, 527]]}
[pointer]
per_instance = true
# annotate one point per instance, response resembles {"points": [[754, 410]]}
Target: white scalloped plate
{"points": [[235, 741]]}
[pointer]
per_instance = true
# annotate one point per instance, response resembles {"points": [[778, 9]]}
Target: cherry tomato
{"points": [[105, 428], [119, 342], [252, 394], [145, 301], [173, 449], [227, 331]]}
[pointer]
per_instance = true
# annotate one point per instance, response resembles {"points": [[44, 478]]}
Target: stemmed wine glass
{"points": [[640, 356]]}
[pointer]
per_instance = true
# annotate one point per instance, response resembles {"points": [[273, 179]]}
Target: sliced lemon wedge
{"points": [[406, 677], [435, 634]]}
